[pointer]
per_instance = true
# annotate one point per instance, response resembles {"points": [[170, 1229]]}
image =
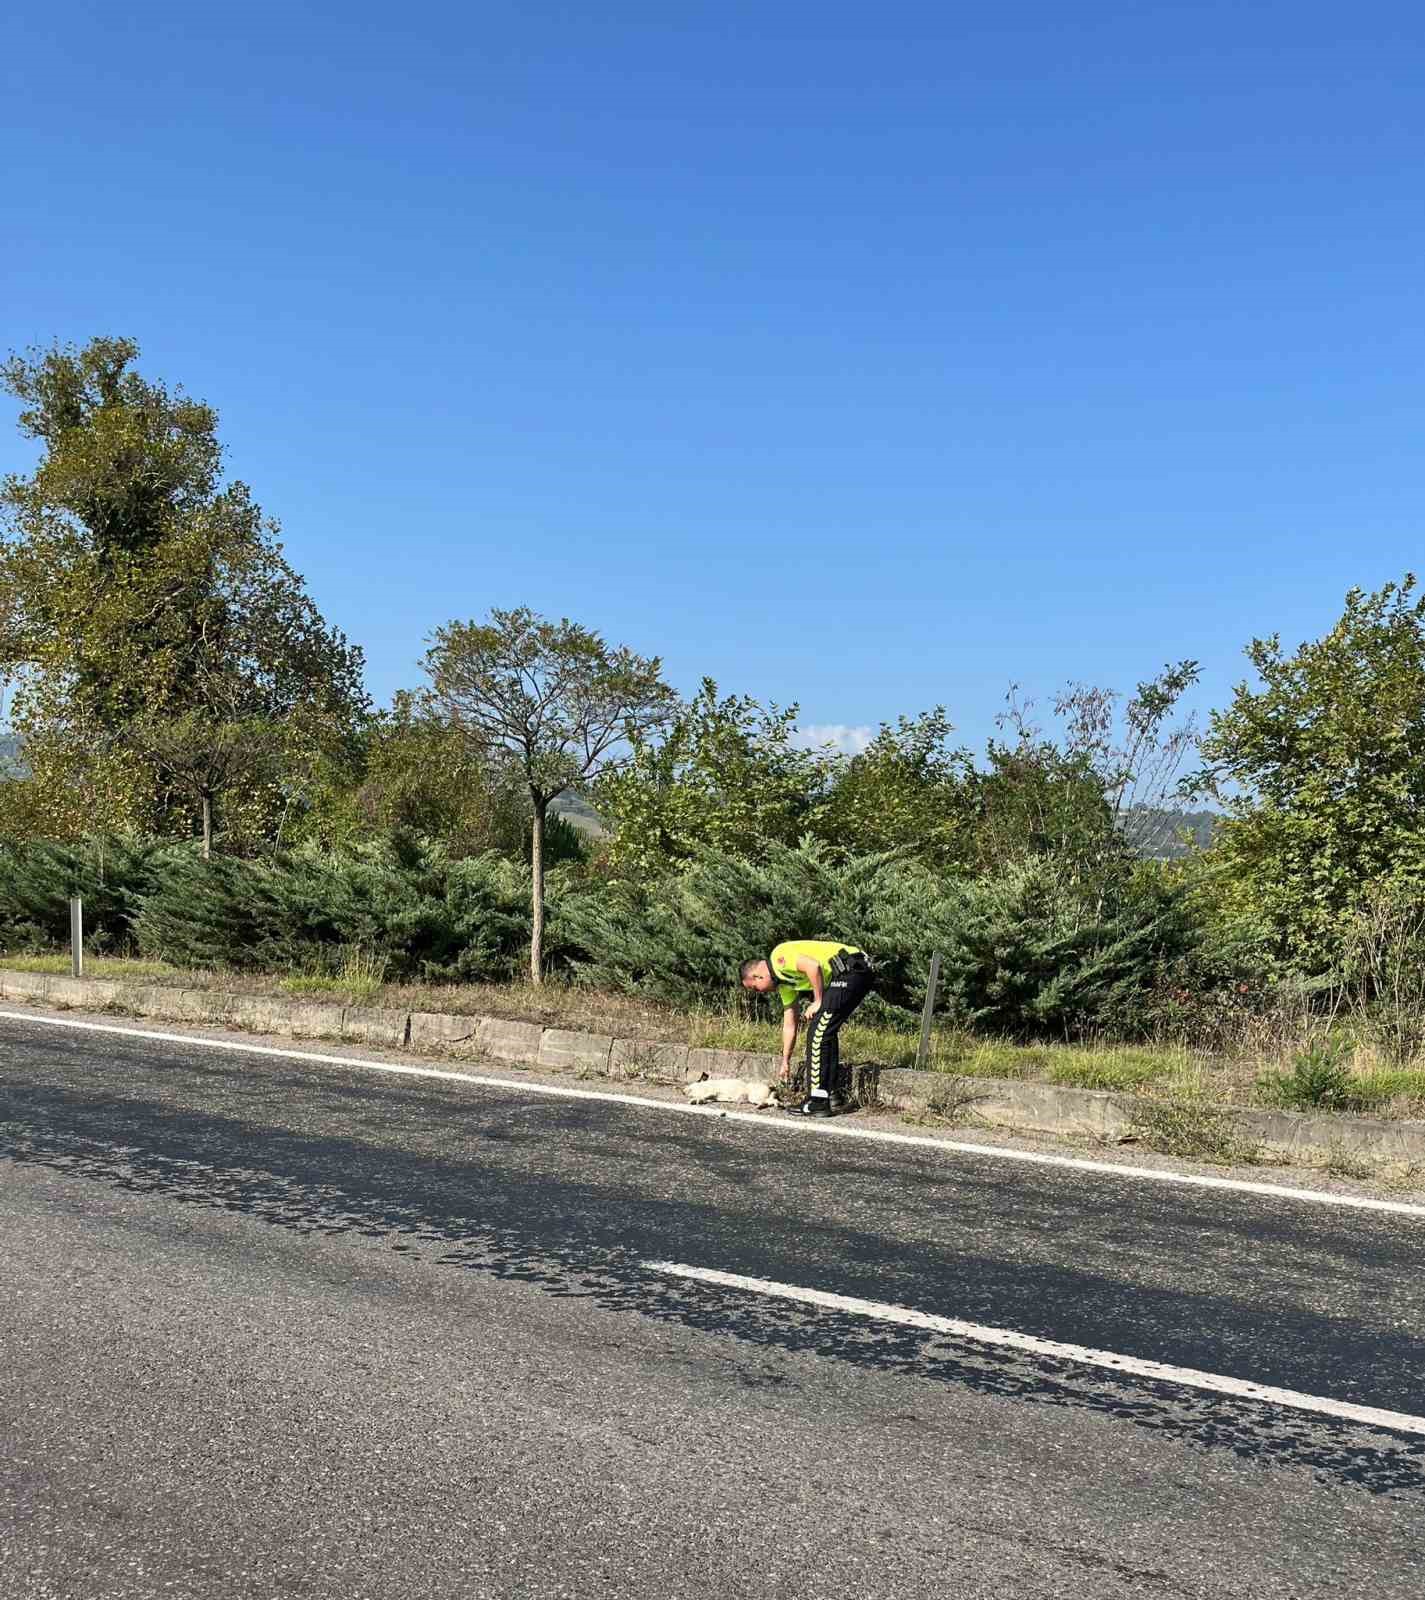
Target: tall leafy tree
{"points": [[554, 701], [906, 791], [416, 775], [162, 648], [727, 773], [1322, 767]]}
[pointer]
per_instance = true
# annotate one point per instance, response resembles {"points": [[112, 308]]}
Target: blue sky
{"points": [[868, 356]]}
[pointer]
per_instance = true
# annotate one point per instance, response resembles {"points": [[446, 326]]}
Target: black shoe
{"points": [[815, 1105], [840, 1103]]}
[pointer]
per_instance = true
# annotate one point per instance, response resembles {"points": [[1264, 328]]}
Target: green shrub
{"points": [[1026, 953], [1038, 957], [37, 879], [1320, 1079], [682, 936], [1022, 954], [416, 914]]}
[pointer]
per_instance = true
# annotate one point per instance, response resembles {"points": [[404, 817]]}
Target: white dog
{"points": [[733, 1090]]}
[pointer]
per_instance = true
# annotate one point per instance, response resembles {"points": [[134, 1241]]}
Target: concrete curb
{"points": [[1000, 1102]]}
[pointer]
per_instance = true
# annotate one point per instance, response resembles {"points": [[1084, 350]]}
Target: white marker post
{"points": [[76, 935]]}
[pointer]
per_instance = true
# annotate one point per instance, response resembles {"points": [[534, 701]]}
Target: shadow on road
{"points": [[583, 1240]]}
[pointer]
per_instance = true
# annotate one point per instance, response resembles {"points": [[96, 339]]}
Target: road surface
{"points": [[274, 1329]]}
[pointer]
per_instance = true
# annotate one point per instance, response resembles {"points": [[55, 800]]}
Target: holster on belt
{"points": [[845, 961]]}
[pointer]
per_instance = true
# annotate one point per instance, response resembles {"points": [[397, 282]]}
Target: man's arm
{"points": [[812, 969], [789, 1039]]}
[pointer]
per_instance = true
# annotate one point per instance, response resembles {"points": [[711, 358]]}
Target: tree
{"points": [[1071, 798], [726, 775], [203, 757], [1136, 762], [150, 612], [552, 699], [1038, 800], [905, 791], [413, 774], [1322, 769]]}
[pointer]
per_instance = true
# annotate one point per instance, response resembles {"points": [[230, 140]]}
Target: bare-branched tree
{"points": [[553, 699]]}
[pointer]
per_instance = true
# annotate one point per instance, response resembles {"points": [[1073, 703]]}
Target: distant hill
{"points": [[1159, 834], [577, 811]]}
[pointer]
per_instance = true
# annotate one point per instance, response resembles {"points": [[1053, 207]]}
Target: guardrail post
{"points": [[923, 1053], [76, 935]]}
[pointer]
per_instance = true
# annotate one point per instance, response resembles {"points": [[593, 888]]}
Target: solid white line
{"points": [[784, 1124], [1006, 1338]]}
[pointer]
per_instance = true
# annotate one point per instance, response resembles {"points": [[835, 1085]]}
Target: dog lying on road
{"points": [[733, 1090]]}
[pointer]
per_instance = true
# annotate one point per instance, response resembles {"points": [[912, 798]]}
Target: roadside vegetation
{"points": [[188, 745], [1191, 1085]]}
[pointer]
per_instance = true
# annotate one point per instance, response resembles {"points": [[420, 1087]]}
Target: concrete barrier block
{"points": [[260, 1013], [130, 998], [25, 985], [74, 992], [902, 1088], [758, 1068], [310, 1020], [1010, 1103], [1048, 1106], [158, 1000], [643, 1058], [444, 1033], [716, 1063], [101, 993], [1372, 1138], [204, 1005], [375, 1025], [567, 1050], [509, 1041]]}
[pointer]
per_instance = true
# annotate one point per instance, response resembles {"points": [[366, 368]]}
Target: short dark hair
{"points": [[749, 967]]}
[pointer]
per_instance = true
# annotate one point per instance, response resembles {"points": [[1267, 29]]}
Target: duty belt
{"points": [[847, 961]]}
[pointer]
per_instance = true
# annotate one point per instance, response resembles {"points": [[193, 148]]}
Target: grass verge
{"points": [[1168, 1073]]}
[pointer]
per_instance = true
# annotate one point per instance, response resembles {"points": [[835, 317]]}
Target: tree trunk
{"points": [[536, 860], [207, 826]]}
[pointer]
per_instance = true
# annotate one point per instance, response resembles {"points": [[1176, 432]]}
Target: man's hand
{"points": [[812, 1009], [789, 1039]]}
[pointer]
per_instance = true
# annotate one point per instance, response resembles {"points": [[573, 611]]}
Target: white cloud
{"points": [[850, 741]]}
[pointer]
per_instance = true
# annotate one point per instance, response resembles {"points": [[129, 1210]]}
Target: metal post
{"points": [[922, 1055], [76, 934]]}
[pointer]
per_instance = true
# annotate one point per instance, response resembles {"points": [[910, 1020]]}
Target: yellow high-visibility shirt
{"points": [[791, 980]]}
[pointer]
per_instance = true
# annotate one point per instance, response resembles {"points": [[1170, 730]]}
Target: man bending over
{"points": [[838, 978]]}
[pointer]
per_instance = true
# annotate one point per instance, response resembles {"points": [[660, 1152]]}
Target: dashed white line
{"points": [[815, 1127], [1007, 1338]]}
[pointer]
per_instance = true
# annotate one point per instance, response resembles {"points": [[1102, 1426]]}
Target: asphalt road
{"points": [[273, 1329]]}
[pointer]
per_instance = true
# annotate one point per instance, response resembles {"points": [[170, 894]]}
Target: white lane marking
{"points": [[784, 1124], [1007, 1338]]}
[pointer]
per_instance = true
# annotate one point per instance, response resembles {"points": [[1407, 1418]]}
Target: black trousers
{"points": [[841, 994]]}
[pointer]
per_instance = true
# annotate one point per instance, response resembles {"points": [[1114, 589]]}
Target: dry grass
{"points": [[1192, 1127], [948, 1102]]}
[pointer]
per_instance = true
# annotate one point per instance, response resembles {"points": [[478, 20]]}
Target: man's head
{"points": [[758, 975]]}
